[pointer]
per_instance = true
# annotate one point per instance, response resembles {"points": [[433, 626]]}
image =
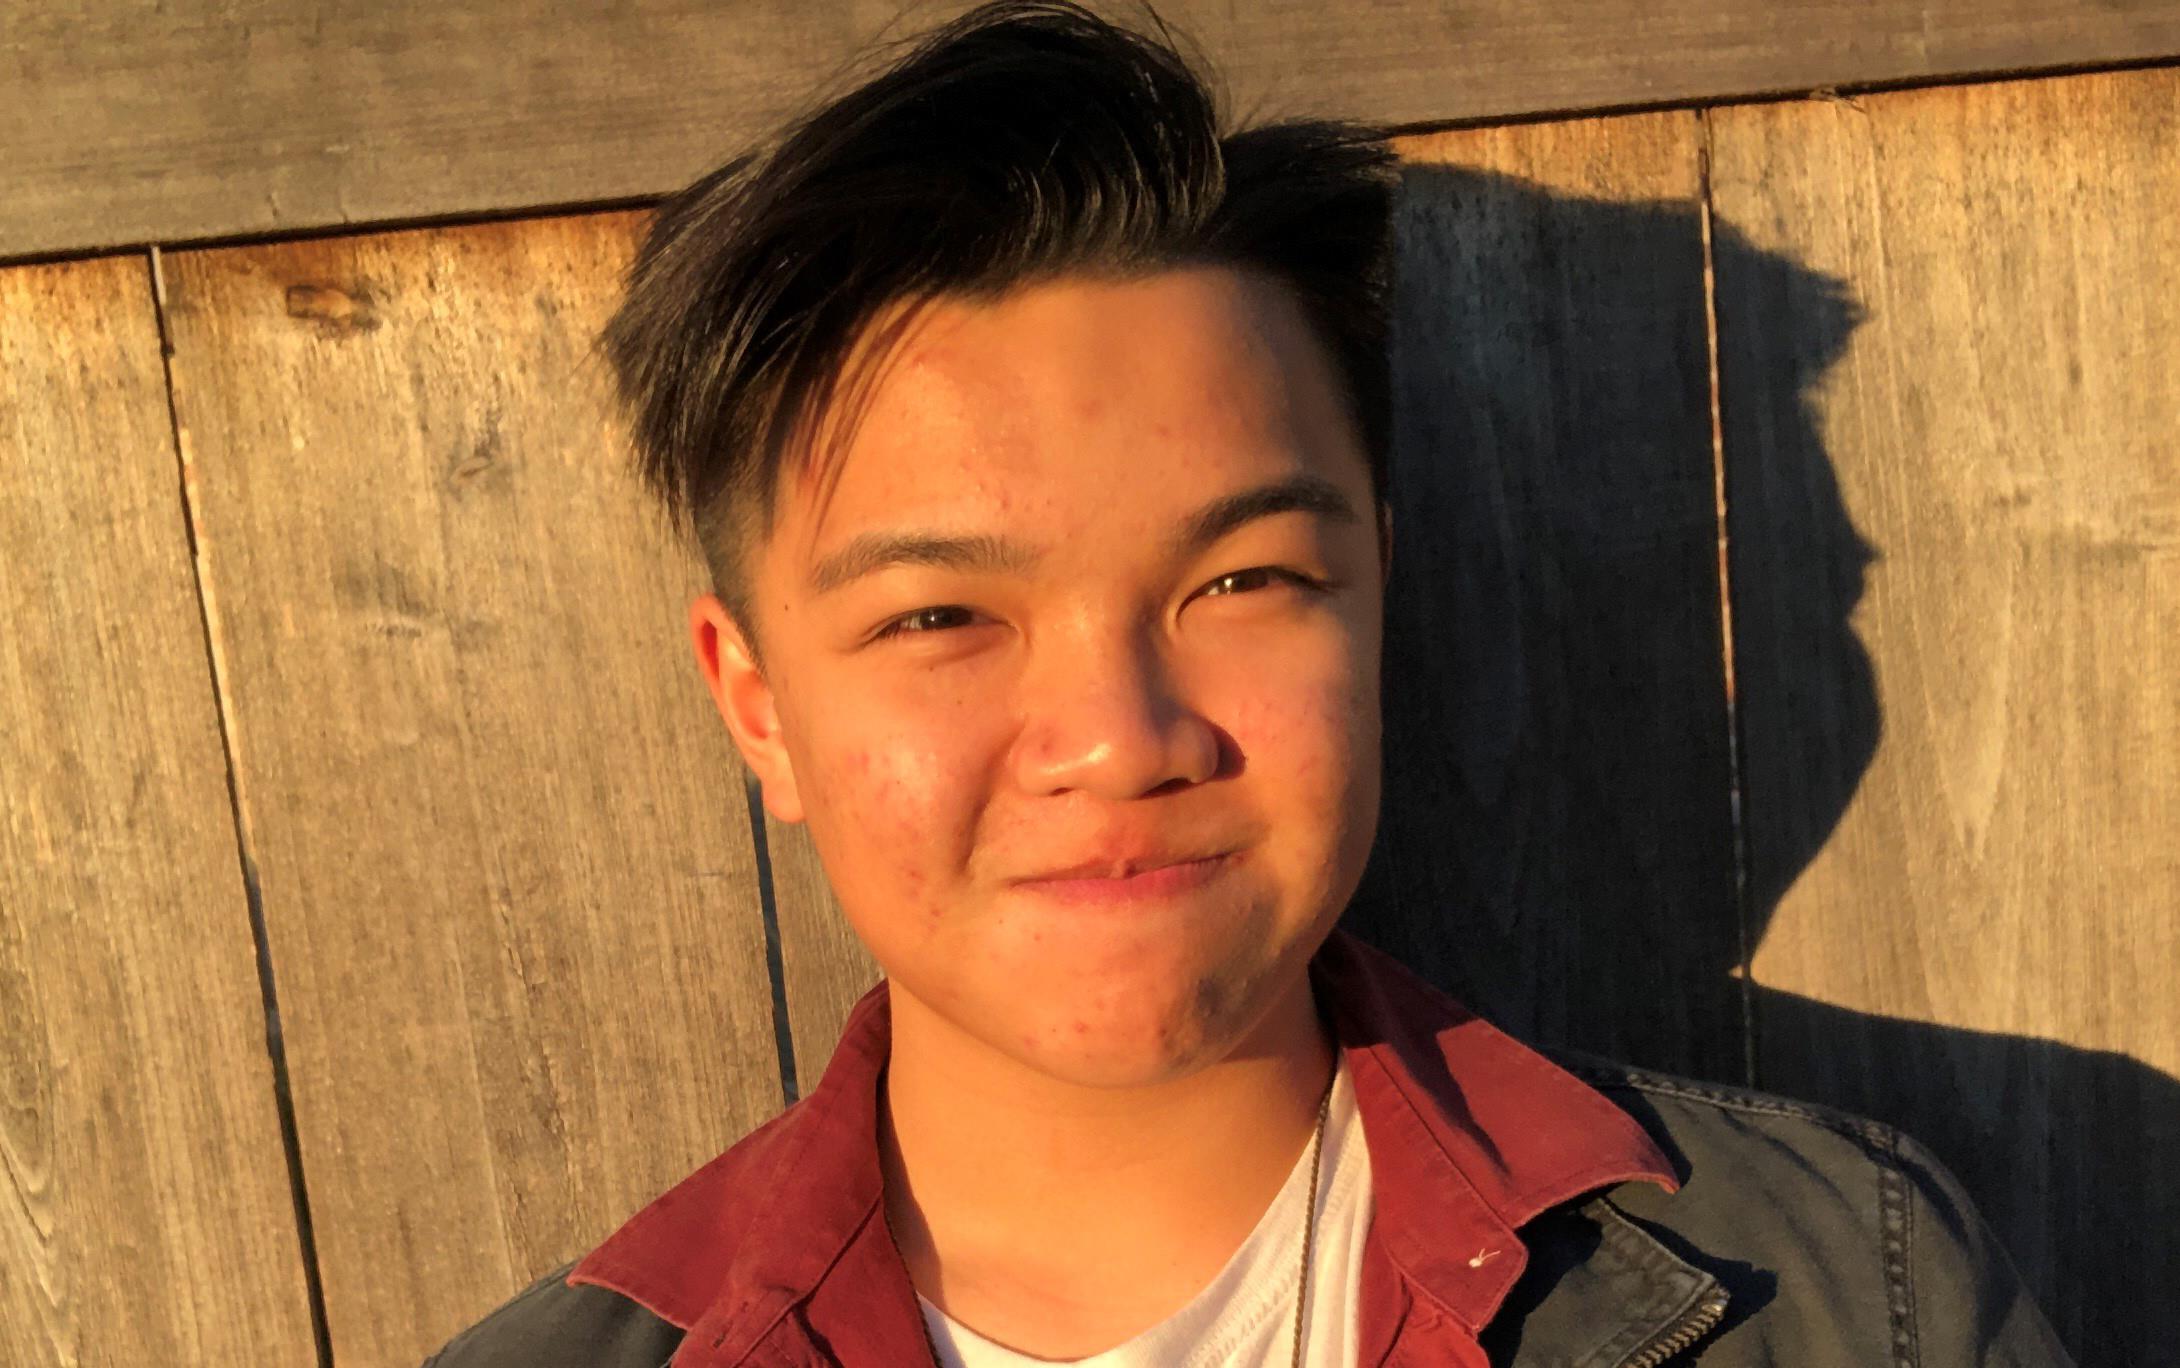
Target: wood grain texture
{"points": [[1968, 851], [1555, 843], [824, 966], [504, 852], [131, 123], [148, 1217]]}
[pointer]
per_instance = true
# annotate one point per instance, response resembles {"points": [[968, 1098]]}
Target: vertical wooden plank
{"points": [[1556, 842], [148, 1217], [1973, 846], [824, 967], [502, 841]]}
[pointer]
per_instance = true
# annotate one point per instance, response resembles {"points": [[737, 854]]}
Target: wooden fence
{"points": [[1783, 687]]}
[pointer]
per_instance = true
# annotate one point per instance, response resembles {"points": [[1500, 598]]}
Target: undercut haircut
{"points": [[1019, 143]]}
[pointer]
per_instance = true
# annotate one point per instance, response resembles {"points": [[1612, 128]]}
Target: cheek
{"points": [[889, 808], [1309, 733], [1310, 749]]}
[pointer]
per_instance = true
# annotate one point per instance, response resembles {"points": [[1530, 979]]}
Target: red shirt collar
{"points": [[1471, 1135]]}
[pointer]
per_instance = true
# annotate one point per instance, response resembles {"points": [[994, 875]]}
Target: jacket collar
{"points": [[1471, 1135]]}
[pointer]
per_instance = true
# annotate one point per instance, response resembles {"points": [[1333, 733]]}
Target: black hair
{"points": [[1022, 141]]}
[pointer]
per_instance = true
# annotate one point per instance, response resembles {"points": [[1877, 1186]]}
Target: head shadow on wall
{"points": [[1557, 845], [1557, 841]]}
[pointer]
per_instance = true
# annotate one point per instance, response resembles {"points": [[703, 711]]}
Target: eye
{"points": [[1256, 577], [924, 621]]}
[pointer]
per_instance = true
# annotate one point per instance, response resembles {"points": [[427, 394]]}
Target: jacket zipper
{"points": [[1691, 1327]]}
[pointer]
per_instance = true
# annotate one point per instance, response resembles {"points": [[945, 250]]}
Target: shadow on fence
{"points": [[1558, 843]]}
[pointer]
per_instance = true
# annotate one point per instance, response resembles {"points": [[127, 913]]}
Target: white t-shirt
{"points": [[1245, 1317]]}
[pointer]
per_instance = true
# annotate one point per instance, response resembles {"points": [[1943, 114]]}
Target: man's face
{"points": [[1098, 584]]}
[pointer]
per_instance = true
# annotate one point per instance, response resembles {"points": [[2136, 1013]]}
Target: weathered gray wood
{"points": [[205, 118], [147, 1217], [1969, 854], [502, 841], [1555, 843]]}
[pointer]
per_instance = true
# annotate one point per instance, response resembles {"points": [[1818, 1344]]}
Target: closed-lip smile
{"points": [[1148, 876]]}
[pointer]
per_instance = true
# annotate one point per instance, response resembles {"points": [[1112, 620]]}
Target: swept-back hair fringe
{"points": [[1025, 140]]}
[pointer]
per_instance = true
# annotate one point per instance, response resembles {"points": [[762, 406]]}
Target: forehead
{"points": [[1072, 390]]}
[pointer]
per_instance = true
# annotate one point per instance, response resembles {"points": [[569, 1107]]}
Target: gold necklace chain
{"points": [[1309, 1212]]}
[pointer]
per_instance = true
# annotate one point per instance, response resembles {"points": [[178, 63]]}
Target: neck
{"points": [[1060, 1219]]}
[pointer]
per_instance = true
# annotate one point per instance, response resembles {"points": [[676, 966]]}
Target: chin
{"points": [[1090, 1062], [1133, 1028]]}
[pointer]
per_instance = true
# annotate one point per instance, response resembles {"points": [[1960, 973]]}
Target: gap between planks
{"points": [[208, 620], [1736, 792]]}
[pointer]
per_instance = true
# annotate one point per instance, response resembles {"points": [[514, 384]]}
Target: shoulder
{"points": [[1694, 1120], [1836, 1214], [550, 1323]]}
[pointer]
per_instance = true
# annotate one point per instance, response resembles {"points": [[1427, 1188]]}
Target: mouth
{"points": [[1163, 881]]}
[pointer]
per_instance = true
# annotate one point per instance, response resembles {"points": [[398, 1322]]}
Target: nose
{"points": [[1104, 717]]}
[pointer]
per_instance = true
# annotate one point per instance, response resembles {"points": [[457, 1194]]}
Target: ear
{"points": [[1385, 544], [745, 701]]}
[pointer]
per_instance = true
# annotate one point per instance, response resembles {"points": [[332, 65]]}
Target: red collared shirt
{"points": [[777, 1252]]}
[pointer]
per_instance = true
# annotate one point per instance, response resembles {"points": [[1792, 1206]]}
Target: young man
{"points": [[1035, 433]]}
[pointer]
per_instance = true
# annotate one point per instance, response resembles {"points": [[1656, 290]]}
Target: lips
{"points": [[1122, 868], [1153, 881]]}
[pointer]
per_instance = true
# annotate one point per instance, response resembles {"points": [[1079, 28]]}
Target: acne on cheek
{"points": [[884, 795]]}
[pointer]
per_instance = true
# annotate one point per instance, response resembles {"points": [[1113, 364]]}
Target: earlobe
{"points": [[746, 704]]}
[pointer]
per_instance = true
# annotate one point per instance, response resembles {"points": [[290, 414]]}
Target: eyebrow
{"points": [[1312, 494], [874, 551]]}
